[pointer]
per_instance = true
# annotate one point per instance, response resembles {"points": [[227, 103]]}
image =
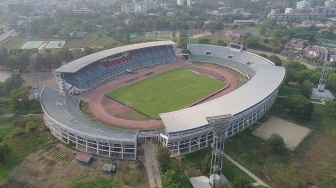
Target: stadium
{"points": [[182, 130]]}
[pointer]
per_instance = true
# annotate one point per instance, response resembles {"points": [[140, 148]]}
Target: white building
{"points": [[330, 4], [289, 11], [180, 2], [304, 4], [189, 2], [139, 7]]}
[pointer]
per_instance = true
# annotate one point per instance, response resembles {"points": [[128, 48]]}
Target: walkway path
{"points": [[258, 181], [152, 165]]}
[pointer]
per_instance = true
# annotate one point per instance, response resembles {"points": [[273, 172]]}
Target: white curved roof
{"points": [[264, 83], [80, 63]]}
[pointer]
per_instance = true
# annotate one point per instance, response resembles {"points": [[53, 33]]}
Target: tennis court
{"points": [[32, 45], [55, 44]]}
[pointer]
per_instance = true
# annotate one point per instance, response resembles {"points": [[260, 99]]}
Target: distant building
{"points": [[330, 4], [14, 7], [294, 17], [109, 168], [180, 2], [332, 58], [277, 4], [298, 44], [84, 158], [189, 2], [304, 4], [289, 11], [315, 51], [139, 7], [245, 22]]}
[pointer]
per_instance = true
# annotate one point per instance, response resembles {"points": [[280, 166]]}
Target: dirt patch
{"points": [[292, 134], [55, 167], [4, 75]]}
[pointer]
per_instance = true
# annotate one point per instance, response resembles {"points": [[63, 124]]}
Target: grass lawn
{"points": [[311, 164], [15, 43], [21, 145], [168, 91]]}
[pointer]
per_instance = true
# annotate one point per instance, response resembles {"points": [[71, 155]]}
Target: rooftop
{"points": [[80, 63]]}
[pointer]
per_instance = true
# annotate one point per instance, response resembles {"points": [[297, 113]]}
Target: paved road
{"points": [[152, 165], [258, 181], [309, 66]]}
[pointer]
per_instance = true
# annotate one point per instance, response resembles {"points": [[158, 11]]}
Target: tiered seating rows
{"points": [[93, 72]]}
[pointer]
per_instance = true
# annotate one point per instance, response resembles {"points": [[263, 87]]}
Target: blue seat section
{"points": [[244, 62], [107, 68]]}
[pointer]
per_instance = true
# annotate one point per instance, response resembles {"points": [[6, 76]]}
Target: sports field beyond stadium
{"points": [[159, 35], [168, 91]]}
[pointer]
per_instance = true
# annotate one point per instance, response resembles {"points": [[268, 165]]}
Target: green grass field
{"points": [[168, 91], [159, 35]]}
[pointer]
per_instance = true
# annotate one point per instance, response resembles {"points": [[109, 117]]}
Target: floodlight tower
{"points": [[325, 71], [220, 125], [35, 86], [191, 25]]}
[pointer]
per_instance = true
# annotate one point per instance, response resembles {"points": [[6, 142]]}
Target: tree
{"points": [[276, 142], [13, 82], [3, 55], [331, 108], [5, 151], [331, 82], [315, 77], [204, 41], [13, 62], [171, 180], [302, 75], [303, 110], [19, 100], [241, 181], [275, 59], [163, 157], [221, 43], [333, 65], [307, 87]]}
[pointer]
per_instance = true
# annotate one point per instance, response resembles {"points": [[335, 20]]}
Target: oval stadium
{"points": [[182, 130]]}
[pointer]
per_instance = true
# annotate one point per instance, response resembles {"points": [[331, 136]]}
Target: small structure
{"points": [[298, 44], [109, 168], [84, 158]]}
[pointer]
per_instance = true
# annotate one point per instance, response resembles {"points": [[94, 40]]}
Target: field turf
{"points": [[168, 91]]}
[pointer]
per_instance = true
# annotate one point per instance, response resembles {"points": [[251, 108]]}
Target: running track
{"points": [[94, 98]]}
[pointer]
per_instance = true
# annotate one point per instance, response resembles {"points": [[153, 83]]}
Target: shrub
{"points": [[31, 126], [18, 132]]}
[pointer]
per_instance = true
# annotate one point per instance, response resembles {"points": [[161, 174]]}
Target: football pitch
{"points": [[159, 35], [165, 92]]}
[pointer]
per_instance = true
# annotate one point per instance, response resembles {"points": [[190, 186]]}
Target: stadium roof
{"points": [[53, 105], [80, 63], [264, 83]]}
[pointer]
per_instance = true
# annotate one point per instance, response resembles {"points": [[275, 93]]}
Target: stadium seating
{"points": [[244, 62], [108, 68]]}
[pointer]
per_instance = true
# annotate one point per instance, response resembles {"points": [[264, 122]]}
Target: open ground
{"points": [[292, 134], [97, 101], [54, 166]]}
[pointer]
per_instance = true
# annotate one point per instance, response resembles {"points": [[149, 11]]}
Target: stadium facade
{"points": [[185, 130]]}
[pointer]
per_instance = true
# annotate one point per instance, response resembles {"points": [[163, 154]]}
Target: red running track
{"points": [[95, 97]]}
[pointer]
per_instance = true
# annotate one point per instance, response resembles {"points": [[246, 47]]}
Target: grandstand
{"points": [[89, 72], [186, 130], [66, 122]]}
